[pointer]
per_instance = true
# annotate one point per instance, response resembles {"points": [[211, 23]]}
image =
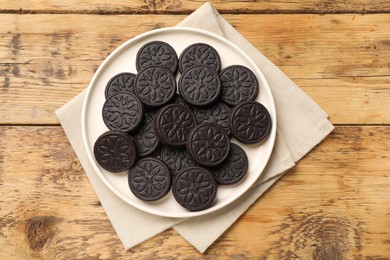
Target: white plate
{"points": [[123, 60]]}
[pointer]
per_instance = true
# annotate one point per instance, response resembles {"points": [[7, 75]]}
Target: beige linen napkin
{"points": [[301, 125]]}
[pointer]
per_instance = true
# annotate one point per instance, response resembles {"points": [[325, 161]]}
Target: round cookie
{"points": [[199, 54], [155, 86], [208, 144], [200, 85], [145, 138], [218, 113], [114, 151], [194, 188], [250, 122], [149, 179], [177, 159], [157, 53], [173, 123], [239, 84], [122, 82], [233, 169], [123, 112]]}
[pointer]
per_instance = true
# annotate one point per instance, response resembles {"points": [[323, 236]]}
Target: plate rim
{"points": [[107, 60]]}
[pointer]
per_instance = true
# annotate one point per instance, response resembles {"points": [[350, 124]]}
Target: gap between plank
{"points": [[186, 12]]}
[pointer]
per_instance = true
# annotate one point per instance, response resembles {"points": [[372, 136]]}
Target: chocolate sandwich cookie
{"points": [[199, 54], [155, 86], [145, 138], [218, 113], [157, 53], [123, 112], [122, 82], [177, 159], [233, 169], [149, 179], [200, 85], [194, 188], [239, 84], [250, 122], [115, 151], [173, 123], [208, 144]]}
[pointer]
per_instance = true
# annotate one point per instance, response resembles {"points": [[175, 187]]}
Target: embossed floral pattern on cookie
{"points": [[208, 144], [157, 53], [115, 151], [194, 188], [233, 169], [200, 86], [149, 179], [173, 123], [155, 86], [123, 112], [239, 84], [122, 82], [199, 54], [250, 121]]}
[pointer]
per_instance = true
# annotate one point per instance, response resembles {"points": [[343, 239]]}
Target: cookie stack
{"points": [[165, 139]]}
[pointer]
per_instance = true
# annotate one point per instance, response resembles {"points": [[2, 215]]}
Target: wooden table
{"points": [[333, 205]]}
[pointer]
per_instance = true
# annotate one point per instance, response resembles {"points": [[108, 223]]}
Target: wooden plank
{"points": [[186, 6], [330, 56], [49, 210]]}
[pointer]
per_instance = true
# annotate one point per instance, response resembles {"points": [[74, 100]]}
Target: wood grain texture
{"points": [[186, 6], [341, 61], [332, 205]]}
